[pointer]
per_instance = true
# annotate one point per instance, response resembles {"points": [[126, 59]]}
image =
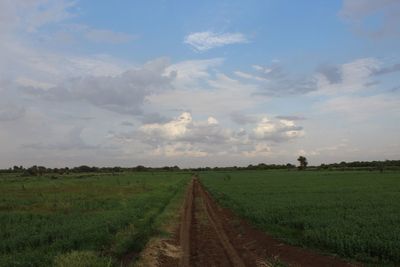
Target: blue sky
{"points": [[198, 83], [309, 32]]}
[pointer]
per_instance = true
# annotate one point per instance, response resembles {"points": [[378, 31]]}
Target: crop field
{"points": [[91, 220], [103, 219], [354, 214]]}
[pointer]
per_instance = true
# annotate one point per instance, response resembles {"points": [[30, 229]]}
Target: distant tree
{"points": [[290, 166], [166, 168], [116, 169], [84, 168], [41, 170], [140, 168], [381, 167], [33, 171], [176, 168], [303, 163]]}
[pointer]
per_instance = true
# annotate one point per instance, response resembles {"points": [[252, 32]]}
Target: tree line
{"points": [[303, 165]]}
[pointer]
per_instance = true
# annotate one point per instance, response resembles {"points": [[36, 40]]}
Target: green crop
{"points": [[354, 214], [48, 221]]}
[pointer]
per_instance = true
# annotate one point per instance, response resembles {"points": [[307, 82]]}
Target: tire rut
{"points": [[209, 235], [209, 244]]}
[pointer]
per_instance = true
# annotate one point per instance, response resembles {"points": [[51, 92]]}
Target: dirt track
{"points": [[212, 236]]}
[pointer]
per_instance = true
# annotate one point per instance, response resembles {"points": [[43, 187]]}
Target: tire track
{"points": [[209, 244], [213, 236], [186, 222]]}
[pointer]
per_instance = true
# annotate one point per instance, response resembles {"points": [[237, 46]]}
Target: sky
{"points": [[198, 83]]}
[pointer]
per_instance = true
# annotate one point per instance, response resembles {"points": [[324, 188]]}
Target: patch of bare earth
{"points": [[209, 235], [160, 252]]}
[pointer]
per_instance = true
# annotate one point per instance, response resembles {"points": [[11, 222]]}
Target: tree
{"points": [[303, 162], [33, 171], [290, 166], [41, 170]]}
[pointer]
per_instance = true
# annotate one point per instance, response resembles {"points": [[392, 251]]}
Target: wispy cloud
{"points": [[385, 11], [107, 36], [202, 41], [30, 16], [11, 112], [290, 117]]}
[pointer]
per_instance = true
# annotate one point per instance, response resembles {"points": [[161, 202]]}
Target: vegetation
{"points": [[94, 216], [355, 165], [353, 214], [81, 219], [303, 162]]}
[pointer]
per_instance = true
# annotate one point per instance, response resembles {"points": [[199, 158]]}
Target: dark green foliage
{"points": [[363, 165], [355, 214], [356, 165], [303, 162]]}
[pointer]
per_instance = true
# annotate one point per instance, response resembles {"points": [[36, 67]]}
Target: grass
{"points": [[97, 218], [354, 214], [165, 224], [81, 259]]}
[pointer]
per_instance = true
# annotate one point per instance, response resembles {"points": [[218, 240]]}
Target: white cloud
{"points": [[260, 149], [35, 67], [219, 95], [326, 149], [246, 75], [178, 150], [277, 131], [349, 78], [290, 117], [72, 140], [184, 129], [273, 71], [185, 136], [202, 41], [243, 119], [362, 107], [190, 72], [212, 120], [172, 130], [28, 82], [272, 80]]}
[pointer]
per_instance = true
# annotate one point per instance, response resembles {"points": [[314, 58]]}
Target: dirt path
{"points": [[213, 236]]}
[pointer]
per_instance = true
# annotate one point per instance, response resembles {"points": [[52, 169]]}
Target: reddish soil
{"points": [[213, 236]]}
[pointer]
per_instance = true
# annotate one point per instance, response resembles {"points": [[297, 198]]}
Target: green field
{"points": [[355, 214], [82, 218], [95, 219]]}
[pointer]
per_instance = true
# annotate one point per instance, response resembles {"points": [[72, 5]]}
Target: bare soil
{"points": [[209, 235]]}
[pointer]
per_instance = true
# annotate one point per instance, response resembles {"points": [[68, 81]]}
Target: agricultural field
{"points": [[87, 219], [353, 214], [105, 219]]}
